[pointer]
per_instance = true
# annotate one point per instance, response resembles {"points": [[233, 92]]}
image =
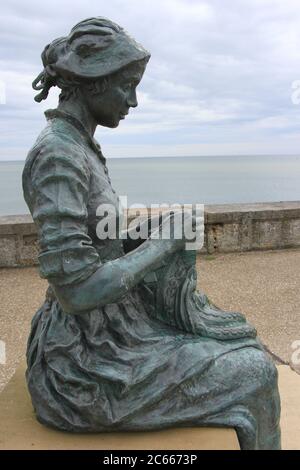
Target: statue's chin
{"points": [[110, 125]]}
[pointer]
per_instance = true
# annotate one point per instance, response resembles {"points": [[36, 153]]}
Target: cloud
{"points": [[220, 74]]}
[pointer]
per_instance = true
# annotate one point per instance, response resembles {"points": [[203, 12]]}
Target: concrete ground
{"points": [[265, 286], [262, 285]]}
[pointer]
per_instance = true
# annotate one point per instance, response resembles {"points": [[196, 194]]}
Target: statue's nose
{"points": [[132, 99]]}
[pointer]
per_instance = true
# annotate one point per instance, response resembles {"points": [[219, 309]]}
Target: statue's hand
{"points": [[171, 229]]}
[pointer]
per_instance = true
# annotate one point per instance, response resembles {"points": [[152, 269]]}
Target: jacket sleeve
{"points": [[60, 182]]}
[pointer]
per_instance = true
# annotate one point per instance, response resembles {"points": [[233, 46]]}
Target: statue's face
{"points": [[112, 105]]}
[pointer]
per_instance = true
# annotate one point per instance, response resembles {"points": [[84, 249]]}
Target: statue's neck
{"points": [[78, 109]]}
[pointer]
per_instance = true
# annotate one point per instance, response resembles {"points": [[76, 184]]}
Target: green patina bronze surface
{"points": [[124, 341]]}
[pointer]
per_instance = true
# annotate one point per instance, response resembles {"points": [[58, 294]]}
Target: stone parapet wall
{"points": [[228, 228], [245, 227], [18, 241]]}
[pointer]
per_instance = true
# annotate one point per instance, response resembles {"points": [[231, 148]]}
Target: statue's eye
{"points": [[127, 86]]}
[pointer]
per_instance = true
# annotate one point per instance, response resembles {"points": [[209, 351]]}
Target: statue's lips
{"points": [[122, 116]]}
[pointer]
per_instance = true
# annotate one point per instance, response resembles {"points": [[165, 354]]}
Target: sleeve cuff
{"points": [[68, 266]]}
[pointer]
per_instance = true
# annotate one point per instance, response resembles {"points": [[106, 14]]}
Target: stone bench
{"points": [[20, 430]]}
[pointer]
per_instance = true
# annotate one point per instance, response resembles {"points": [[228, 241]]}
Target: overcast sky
{"points": [[219, 81]]}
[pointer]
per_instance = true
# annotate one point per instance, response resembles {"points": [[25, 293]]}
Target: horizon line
{"points": [[184, 156]]}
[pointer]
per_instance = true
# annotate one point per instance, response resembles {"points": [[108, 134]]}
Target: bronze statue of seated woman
{"points": [[109, 350]]}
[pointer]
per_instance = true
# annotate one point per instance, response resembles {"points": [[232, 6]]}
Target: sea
{"points": [[182, 180]]}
